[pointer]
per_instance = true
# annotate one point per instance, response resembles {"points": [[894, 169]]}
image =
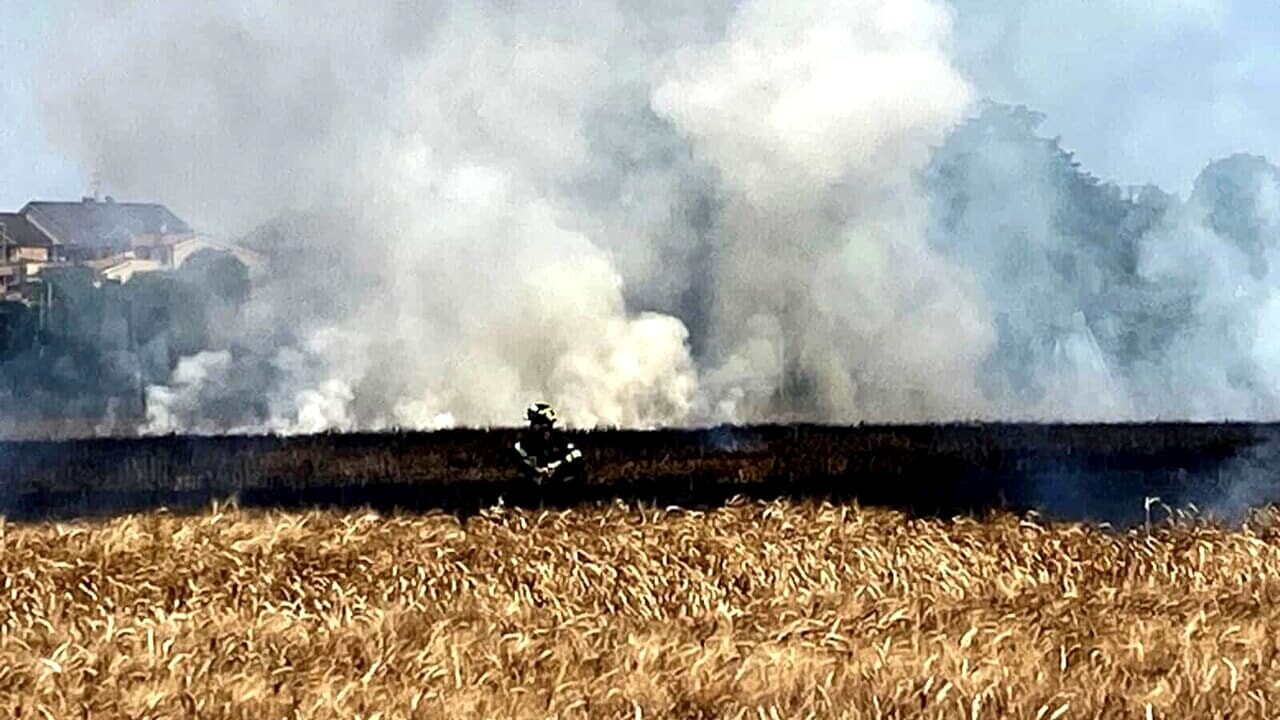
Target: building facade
{"points": [[116, 240]]}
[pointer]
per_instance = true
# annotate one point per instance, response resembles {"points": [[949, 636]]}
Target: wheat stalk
{"points": [[752, 610]]}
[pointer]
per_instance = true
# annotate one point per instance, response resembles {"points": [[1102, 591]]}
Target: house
{"points": [[121, 268], [94, 230], [24, 250], [120, 239]]}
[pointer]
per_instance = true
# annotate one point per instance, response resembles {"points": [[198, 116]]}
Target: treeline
{"points": [[1129, 300], [82, 358]]}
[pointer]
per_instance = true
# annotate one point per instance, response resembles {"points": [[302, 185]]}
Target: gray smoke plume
{"points": [[1111, 303], [685, 214], [551, 204]]}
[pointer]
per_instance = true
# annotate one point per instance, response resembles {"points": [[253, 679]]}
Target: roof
{"points": [[91, 222], [21, 232]]}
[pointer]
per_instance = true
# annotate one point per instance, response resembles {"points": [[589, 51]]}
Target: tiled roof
{"points": [[91, 222], [21, 232]]}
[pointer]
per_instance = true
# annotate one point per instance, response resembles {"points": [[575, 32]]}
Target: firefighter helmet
{"points": [[541, 413]]}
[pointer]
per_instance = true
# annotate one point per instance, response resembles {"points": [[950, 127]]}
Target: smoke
{"points": [[1245, 483], [822, 270], [658, 215], [613, 208], [1111, 303]]}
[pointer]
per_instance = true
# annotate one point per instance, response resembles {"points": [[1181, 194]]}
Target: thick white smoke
{"points": [[657, 215], [817, 118], [520, 182]]}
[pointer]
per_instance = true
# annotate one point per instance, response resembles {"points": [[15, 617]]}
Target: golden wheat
{"points": [[753, 610]]}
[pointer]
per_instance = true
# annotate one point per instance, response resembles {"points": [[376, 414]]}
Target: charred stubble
{"points": [[753, 610]]}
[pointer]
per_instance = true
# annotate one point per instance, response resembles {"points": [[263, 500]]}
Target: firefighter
{"points": [[543, 451]]}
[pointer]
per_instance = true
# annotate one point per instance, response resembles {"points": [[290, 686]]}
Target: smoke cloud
{"points": [[655, 215], [1111, 303], [827, 294]]}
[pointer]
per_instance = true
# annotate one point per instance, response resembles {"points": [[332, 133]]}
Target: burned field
{"points": [[751, 609], [1093, 472]]}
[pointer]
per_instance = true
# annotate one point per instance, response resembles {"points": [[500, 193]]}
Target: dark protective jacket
{"points": [[546, 451]]}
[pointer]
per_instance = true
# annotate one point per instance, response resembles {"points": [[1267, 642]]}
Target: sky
{"points": [[1141, 90], [30, 167]]}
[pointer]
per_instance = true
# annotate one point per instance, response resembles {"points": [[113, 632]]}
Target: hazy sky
{"points": [[29, 167], [1141, 90]]}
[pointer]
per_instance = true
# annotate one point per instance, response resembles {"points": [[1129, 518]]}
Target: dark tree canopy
{"points": [[97, 346], [1060, 253]]}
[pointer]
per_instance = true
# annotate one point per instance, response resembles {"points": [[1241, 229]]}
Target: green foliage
{"points": [[1228, 191], [99, 343], [221, 274]]}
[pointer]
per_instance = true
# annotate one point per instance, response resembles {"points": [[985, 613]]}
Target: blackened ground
{"points": [[1093, 472]]}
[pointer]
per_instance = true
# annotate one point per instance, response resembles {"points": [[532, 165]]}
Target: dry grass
{"points": [[757, 611]]}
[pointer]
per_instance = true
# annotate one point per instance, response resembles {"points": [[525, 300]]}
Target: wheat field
{"points": [[780, 610]]}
